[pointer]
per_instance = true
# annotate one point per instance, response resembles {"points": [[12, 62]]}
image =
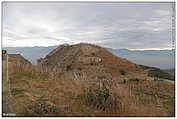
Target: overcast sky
{"points": [[114, 25]]}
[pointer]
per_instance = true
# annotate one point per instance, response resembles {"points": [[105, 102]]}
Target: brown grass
{"points": [[39, 92]]}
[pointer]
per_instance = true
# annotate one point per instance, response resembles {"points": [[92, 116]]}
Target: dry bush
{"points": [[102, 98], [124, 100], [87, 97], [142, 99], [42, 108]]}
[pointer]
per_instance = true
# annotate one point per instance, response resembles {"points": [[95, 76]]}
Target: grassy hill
{"points": [[39, 93], [163, 59], [42, 91]]}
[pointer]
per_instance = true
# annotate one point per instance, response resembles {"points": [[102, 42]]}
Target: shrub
{"points": [[122, 72], [68, 67], [17, 91], [39, 60], [89, 96], [124, 81], [93, 54], [97, 98], [100, 98], [42, 108], [103, 97], [135, 79]]}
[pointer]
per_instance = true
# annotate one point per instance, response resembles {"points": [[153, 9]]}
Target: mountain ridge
{"points": [[163, 59]]}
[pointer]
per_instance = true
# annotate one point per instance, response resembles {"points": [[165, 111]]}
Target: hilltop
{"points": [[163, 59], [85, 80], [88, 61]]}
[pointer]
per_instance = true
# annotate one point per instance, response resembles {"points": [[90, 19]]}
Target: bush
{"points": [[17, 91], [135, 79], [122, 72], [89, 96], [68, 67], [103, 97], [42, 108], [39, 60], [100, 98], [93, 54]]}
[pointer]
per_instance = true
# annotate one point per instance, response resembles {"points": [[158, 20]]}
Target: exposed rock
{"points": [[86, 61]]}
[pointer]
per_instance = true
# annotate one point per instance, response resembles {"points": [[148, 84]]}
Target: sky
{"points": [[114, 25]]}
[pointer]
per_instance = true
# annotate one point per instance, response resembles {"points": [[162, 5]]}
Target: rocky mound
{"points": [[87, 61]]}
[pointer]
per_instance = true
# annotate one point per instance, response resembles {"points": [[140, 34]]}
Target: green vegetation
{"points": [[17, 92], [157, 73], [100, 98], [68, 67], [41, 107], [122, 72], [67, 97], [39, 60]]}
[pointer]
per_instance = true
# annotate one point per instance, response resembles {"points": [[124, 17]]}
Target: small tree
{"points": [[39, 60]]}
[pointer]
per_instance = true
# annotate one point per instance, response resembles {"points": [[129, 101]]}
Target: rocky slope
{"points": [[87, 61]]}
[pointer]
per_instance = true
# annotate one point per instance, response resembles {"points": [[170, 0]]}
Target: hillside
{"points": [[18, 57], [163, 59], [89, 61], [85, 80]]}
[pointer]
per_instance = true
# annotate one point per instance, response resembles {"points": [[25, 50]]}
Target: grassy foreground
{"points": [[37, 92]]}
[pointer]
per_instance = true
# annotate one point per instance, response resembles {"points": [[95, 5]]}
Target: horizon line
{"points": [[131, 49]]}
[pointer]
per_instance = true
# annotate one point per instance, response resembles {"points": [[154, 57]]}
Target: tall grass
{"points": [[90, 97], [130, 99]]}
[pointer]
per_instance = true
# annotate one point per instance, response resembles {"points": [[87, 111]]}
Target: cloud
{"points": [[116, 25]]}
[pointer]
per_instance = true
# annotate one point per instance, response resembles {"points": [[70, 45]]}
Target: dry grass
{"points": [[38, 92]]}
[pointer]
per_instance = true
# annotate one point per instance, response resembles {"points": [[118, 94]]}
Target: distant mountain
{"points": [[163, 59], [31, 53]]}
